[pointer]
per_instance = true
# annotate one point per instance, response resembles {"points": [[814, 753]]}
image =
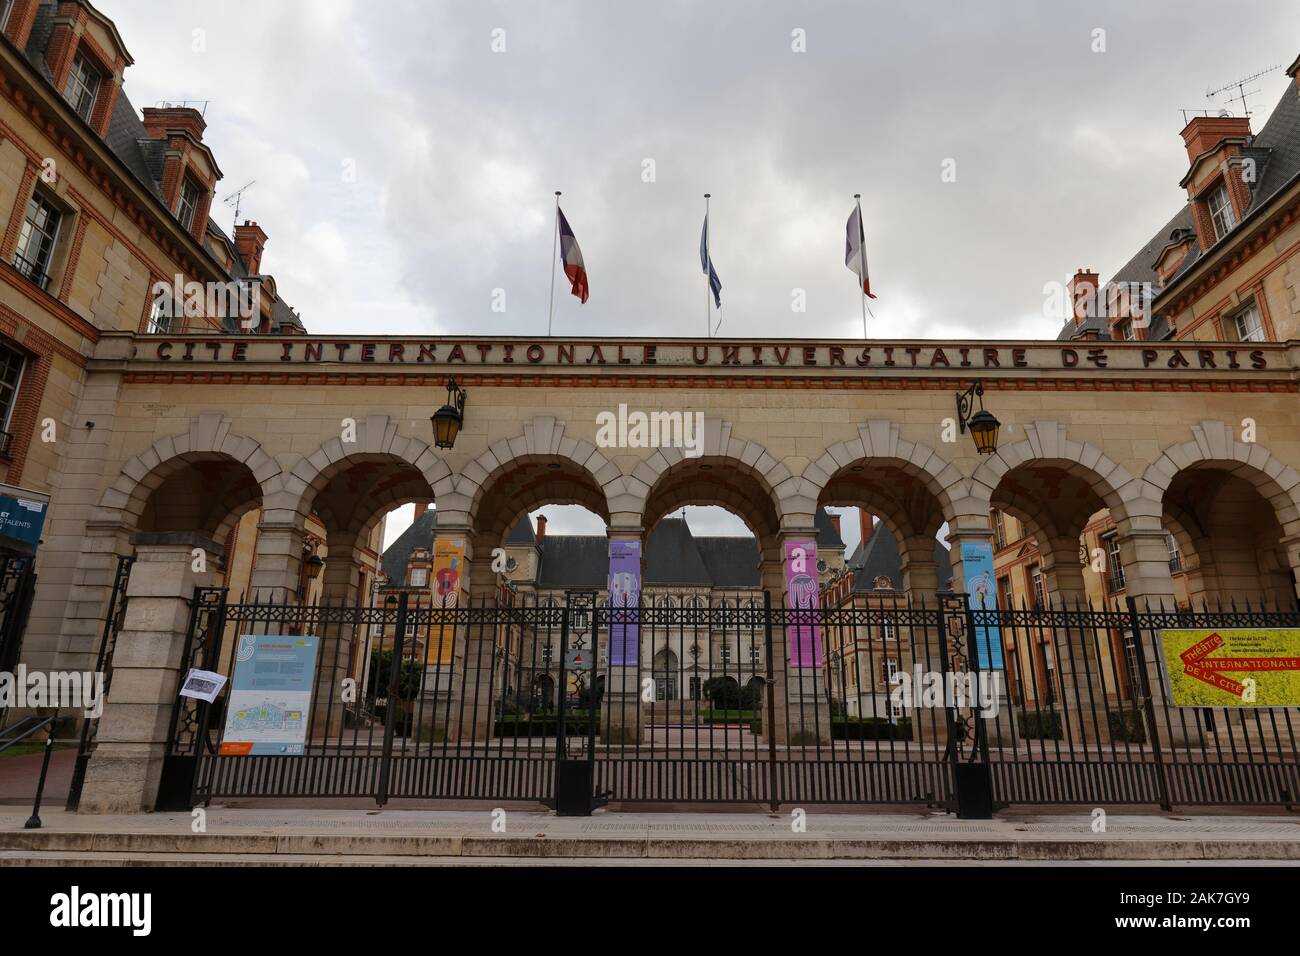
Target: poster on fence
{"points": [[801, 595], [269, 703], [1232, 666], [448, 583], [977, 568], [624, 592]]}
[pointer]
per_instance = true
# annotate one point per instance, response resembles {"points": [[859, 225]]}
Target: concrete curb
{"points": [[18, 848]]}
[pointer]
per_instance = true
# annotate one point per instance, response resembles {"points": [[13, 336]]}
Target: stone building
{"points": [[682, 570]]}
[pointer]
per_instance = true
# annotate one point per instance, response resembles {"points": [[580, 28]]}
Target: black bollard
{"points": [[34, 821]]}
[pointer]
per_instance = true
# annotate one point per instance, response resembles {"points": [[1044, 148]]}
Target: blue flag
{"points": [[706, 262]]}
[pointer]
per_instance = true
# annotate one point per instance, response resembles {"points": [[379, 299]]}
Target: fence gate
{"points": [[17, 585], [679, 701], [114, 614]]}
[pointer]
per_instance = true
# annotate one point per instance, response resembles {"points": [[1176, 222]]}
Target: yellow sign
{"points": [[448, 583], [1233, 667]]}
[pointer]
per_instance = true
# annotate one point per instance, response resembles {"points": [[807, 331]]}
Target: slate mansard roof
{"points": [[142, 156], [674, 556], [1276, 152]]}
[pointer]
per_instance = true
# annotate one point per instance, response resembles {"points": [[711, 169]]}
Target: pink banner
{"points": [[801, 595]]}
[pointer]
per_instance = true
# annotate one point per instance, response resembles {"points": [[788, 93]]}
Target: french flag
{"points": [[571, 256], [855, 254]]}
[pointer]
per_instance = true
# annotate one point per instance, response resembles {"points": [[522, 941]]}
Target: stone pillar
{"points": [[124, 772], [458, 686], [919, 568], [967, 530], [1080, 673], [342, 569], [277, 562], [621, 719], [1144, 554], [1291, 545], [801, 709]]}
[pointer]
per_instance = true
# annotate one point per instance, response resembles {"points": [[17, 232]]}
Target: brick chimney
{"points": [[1293, 71], [163, 121], [835, 523], [250, 240], [428, 506], [866, 527], [1083, 290], [1205, 133], [541, 529]]}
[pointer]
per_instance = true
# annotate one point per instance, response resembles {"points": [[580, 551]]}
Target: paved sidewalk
{"points": [[422, 837]]}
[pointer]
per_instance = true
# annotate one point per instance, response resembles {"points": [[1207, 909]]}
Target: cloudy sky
{"points": [[406, 153]]}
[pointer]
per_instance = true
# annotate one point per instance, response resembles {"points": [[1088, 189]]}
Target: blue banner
{"points": [[981, 585]]}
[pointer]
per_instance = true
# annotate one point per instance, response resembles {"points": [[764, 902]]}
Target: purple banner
{"points": [[624, 599], [801, 594]]}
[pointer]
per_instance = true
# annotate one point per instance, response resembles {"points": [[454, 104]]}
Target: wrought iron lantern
{"points": [[448, 420], [983, 426]]}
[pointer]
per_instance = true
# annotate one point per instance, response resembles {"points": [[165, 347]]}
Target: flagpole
{"points": [[708, 263], [862, 256], [555, 236]]}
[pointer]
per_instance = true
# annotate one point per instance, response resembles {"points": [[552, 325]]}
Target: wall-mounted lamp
{"points": [[448, 419], [983, 426]]}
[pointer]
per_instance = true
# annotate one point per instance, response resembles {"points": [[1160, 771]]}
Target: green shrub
{"points": [[871, 728], [1127, 726], [1041, 725]]}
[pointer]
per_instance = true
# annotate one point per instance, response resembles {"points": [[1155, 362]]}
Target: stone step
{"points": [[20, 847]]}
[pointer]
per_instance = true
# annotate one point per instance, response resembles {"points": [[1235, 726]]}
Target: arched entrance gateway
{"points": [[249, 478]]}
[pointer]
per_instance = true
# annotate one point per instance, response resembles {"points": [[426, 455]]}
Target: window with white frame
{"points": [[163, 319], [36, 241], [1248, 325], [82, 87], [1220, 204], [189, 203], [1036, 579], [999, 531], [1175, 556], [1113, 562], [12, 363], [419, 577], [726, 653], [1126, 330]]}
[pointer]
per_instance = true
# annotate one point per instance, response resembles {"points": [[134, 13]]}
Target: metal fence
{"points": [[679, 701]]}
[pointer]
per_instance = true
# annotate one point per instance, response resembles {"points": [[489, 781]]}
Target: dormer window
{"points": [[82, 87], [189, 203], [1221, 212]]}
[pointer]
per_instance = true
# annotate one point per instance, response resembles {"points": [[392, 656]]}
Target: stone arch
{"points": [[377, 441], [1048, 444], [908, 485], [208, 440], [1214, 444], [879, 441], [541, 466], [1236, 511], [1054, 485], [771, 487]]}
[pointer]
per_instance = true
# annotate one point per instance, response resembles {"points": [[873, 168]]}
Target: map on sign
{"points": [[1232, 667], [270, 695]]}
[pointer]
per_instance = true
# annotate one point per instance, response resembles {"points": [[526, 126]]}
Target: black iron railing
{"points": [[32, 271], [502, 699]]}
